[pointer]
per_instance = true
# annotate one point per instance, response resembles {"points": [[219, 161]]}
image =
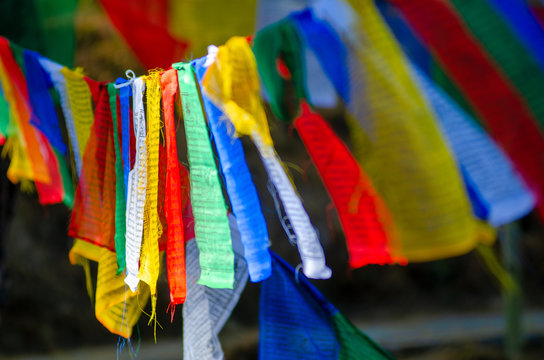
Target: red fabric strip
{"points": [[175, 246], [89, 221], [362, 212], [144, 26], [538, 12], [496, 101], [43, 160], [30, 135], [53, 192], [94, 88]]}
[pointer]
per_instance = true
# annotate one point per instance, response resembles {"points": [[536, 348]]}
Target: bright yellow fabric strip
{"points": [[404, 152], [149, 260], [111, 295], [81, 105], [233, 84], [240, 93], [19, 167]]}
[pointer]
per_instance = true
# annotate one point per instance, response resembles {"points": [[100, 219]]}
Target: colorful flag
{"points": [[298, 322]]}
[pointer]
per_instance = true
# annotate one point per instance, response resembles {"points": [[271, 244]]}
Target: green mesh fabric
{"points": [[120, 205], [354, 344], [211, 223], [67, 184], [280, 40], [517, 63], [42, 25], [4, 113], [440, 77]]}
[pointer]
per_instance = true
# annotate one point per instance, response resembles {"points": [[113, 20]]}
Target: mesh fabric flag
{"points": [[522, 22], [137, 187], [175, 251], [365, 218], [407, 161], [418, 52], [328, 48], [207, 309], [366, 221], [497, 193], [516, 62], [321, 92], [232, 83], [117, 309], [81, 108], [59, 81], [297, 322], [51, 192], [152, 231], [41, 25], [93, 213], [496, 101], [144, 26], [240, 187], [34, 167], [209, 209], [120, 201], [197, 21], [44, 115]]}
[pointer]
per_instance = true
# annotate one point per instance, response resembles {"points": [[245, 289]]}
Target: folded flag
{"points": [[497, 102], [407, 161], [240, 187], [497, 193], [175, 251], [367, 223], [522, 22], [321, 92], [233, 84], [209, 208], [137, 186], [206, 309], [59, 81], [117, 309], [44, 115], [298, 322]]}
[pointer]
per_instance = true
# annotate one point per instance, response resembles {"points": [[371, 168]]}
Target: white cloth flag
{"points": [[309, 247], [137, 184], [206, 310]]}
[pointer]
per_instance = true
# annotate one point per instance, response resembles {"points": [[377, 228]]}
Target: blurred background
{"points": [[449, 309]]}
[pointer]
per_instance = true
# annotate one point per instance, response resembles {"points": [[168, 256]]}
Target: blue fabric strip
{"points": [[44, 115], [412, 46], [523, 23], [328, 48], [295, 319], [496, 191], [125, 92], [240, 188]]}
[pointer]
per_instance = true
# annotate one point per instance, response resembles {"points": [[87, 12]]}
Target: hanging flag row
{"points": [[420, 180]]}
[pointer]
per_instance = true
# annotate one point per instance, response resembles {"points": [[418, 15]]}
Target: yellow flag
{"points": [[210, 22], [117, 308], [81, 105], [403, 151]]}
